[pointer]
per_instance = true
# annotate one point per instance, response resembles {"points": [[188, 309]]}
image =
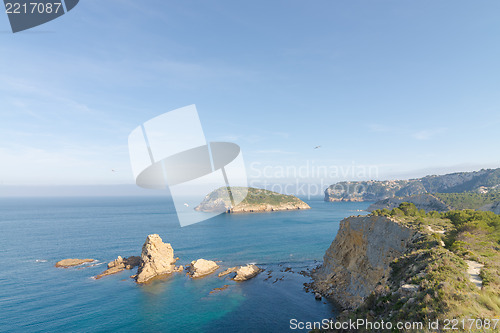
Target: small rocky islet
{"points": [[157, 261]]}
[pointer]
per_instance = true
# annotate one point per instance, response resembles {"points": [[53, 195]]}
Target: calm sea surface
{"points": [[37, 297]]}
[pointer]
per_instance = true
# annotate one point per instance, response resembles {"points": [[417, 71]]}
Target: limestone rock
{"points": [[157, 258], [65, 263], [427, 202], [494, 207], [228, 271], [201, 267], [120, 264], [359, 258], [246, 272]]}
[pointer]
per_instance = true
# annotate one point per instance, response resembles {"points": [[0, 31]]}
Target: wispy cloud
{"points": [[428, 134], [275, 151]]}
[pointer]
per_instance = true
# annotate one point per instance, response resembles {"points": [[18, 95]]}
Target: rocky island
{"points": [[256, 200]]}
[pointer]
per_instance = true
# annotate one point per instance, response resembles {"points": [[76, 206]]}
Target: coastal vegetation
{"points": [[250, 200], [469, 200]]}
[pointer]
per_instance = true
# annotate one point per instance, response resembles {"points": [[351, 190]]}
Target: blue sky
{"points": [[409, 88]]}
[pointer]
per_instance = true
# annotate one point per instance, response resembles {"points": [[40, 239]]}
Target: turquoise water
{"points": [[37, 297]]}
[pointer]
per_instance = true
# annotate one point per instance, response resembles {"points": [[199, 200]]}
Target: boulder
{"points": [[409, 288], [246, 272], [157, 258], [201, 267], [65, 263]]}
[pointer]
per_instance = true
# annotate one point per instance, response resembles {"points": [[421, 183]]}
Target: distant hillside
{"points": [[469, 200], [483, 181]]}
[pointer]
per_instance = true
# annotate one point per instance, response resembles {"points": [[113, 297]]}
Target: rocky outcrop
{"points": [[65, 263], [482, 181], [252, 200], [427, 202], [201, 268], [247, 272], [228, 271], [120, 264], [157, 258], [359, 257]]}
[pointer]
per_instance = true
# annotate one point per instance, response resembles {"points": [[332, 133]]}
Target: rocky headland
{"points": [[405, 265], [255, 200], [478, 181]]}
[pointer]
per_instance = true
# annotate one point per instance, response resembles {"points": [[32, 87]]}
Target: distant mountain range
{"points": [[483, 181]]}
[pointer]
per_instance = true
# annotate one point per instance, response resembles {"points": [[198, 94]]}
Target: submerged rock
{"points": [[157, 258], [246, 272], [65, 263], [201, 267]]}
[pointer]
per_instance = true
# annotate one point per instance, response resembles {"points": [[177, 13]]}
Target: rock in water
{"points": [[201, 267], [228, 271], [65, 263], [246, 272], [120, 264], [359, 258], [157, 258]]}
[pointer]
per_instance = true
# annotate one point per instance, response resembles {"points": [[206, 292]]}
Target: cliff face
{"points": [[482, 180], [426, 202], [358, 259], [157, 258]]}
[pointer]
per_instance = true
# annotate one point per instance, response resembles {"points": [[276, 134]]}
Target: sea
{"points": [[35, 296]]}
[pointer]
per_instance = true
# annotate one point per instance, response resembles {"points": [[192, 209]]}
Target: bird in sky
{"points": [[317, 147]]}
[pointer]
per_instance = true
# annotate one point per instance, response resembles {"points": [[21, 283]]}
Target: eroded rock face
{"points": [[120, 264], [65, 263], [359, 257], [201, 267], [157, 258], [246, 272]]}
